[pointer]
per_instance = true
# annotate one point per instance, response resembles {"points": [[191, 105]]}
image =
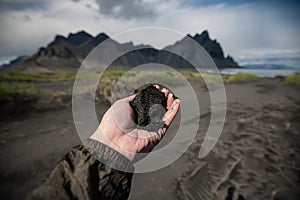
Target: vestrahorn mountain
{"points": [[69, 52]]}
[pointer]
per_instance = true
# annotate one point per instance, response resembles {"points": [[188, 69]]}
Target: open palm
{"points": [[118, 130]]}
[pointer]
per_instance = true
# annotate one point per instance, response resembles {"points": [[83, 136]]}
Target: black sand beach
{"points": [[258, 153]]}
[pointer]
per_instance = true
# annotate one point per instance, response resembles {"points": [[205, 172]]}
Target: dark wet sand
{"points": [[31, 145], [258, 152]]}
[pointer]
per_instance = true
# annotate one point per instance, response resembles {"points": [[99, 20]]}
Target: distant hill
{"points": [[69, 52], [267, 66]]}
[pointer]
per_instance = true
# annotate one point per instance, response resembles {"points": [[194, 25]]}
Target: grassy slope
{"points": [[241, 77], [14, 84], [293, 78]]}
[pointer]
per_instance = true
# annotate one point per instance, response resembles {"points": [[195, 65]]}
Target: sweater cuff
{"points": [[108, 156]]}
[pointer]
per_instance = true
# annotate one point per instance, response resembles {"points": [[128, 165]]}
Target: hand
{"points": [[118, 130]]}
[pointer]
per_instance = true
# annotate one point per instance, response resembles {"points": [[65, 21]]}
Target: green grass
{"points": [[136, 78], [16, 76], [201, 77], [172, 78], [241, 77], [133, 79], [114, 73], [292, 79], [16, 84], [192, 76], [10, 91]]}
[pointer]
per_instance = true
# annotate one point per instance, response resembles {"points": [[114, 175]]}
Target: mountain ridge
{"points": [[267, 66], [70, 51]]}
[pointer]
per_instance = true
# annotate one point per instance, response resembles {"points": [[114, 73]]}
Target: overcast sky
{"points": [[250, 31]]}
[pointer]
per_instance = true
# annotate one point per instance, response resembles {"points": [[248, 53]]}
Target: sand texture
{"points": [[258, 153]]}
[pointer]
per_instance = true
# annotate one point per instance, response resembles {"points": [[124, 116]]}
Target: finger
{"points": [[125, 99], [170, 100], [171, 113], [161, 132], [148, 136], [165, 91], [130, 98], [156, 86]]}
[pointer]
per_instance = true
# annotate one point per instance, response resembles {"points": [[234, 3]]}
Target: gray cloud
{"points": [[127, 9], [243, 31]]}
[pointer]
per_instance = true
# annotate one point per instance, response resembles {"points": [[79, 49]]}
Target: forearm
{"points": [[114, 180], [108, 156], [79, 175]]}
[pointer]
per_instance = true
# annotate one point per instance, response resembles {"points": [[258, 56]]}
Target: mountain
{"points": [[71, 51], [267, 66], [213, 48]]}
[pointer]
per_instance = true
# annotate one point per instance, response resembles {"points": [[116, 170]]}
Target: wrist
{"points": [[108, 156], [100, 136]]}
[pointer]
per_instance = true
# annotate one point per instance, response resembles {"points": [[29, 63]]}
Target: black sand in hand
{"points": [[149, 106]]}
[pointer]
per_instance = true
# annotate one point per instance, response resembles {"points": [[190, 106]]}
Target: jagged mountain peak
{"points": [[73, 39], [58, 40], [204, 35], [101, 37], [80, 33], [213, 48], [59, 37], [202, 38], [79, 37]]}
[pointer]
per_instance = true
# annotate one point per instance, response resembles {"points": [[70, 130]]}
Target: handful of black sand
{"points": [[149, 106]]}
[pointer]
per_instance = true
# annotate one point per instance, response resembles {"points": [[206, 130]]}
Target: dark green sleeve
{"points": [[80, 176]]}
